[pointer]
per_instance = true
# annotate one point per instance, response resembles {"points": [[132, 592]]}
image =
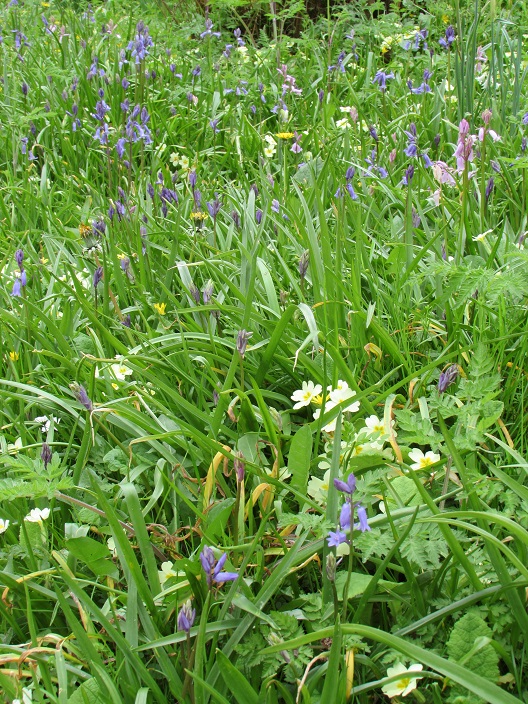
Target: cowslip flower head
{"points": [[37, 515], [421, 461], [403, 686], [306, 395]]}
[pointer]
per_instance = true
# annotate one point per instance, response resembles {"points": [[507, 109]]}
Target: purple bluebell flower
{"points": [[320, 95], [373, 133], [408, 176], [238, 36], [495, 166], [120, 147], [525, 118], [427, 161], [339, 65], [381, 79], [197, 199], [46, 454], [98, 227], [209, 30], [207, 293], [350, 173], [363, 520], [19, 258], [186, 616], [489, 188], [196, 71], [127, 322], [227, 51], [25, 89], [524, 142], [168, 195], [447, 378], [345, 517], [275, 205], [23, 145], [304, 261], [193, 178], [445, 42], [140, 45], [236, 218], [101, 134], [258, 216], [347, 487], [195, 293], [23, 277], [82, 397], [98, 275], [335, 539], [213, 568], [214, 208], [17, 289], [213, 124], [351, 191], [242, 341], [239, 466]]}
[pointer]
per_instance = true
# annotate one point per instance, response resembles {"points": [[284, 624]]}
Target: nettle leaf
{"points": [[467, 638]]}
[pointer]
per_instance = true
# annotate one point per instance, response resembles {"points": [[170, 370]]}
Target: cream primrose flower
{"points": [[270, 140], [167, 571], [37, 515], [343, 124], [403, 686], [4, 525], [329, 427], [269, 152], [375, 426], [305, 396], [421, 461], [174, 159], [318, 488], [14, 447], [120, 370], [184, 162], [342, 393]]}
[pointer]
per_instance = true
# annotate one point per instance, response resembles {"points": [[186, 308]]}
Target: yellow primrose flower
{"points": [[421, 461], [160, 308], [13, 356], [404, 685]]}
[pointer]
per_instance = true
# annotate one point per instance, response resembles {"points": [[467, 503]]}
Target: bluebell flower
{"points": [[186, 616], [449, 38], [347, 487], [238, 37], [19, 258], [17, 288], [213, 567], [363, 520], [381, 79], [335, 539], [408, 176], [213, 124], [120, 147], [23, 144], [209, 30]]}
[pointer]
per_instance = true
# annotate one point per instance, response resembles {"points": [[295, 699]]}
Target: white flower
{"points": [[4, 525], [270, 140], [269, 151], [174, 159], [482, 236], [367, 448], [14, 447], [37, 515], [403, 686], [375, 426], [305, 396], [342, 393], [318, 488], [343, 124], [120, 370], [421, 461], [167, 571], [184, 162], [46, 422], [329, 427]]}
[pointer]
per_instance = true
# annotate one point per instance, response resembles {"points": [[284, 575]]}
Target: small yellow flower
{"points": [[198, 215], [122, 256], [84, 230], [13, 356], [45, 4], [445, 19], [284, 135], [160, 308]]}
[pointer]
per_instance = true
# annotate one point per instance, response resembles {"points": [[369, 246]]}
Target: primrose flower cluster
{"points": [[340, 395]]}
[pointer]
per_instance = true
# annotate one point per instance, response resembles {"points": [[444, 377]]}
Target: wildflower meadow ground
{"points": [[264, 374]]}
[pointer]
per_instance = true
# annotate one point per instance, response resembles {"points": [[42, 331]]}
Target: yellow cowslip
{"points": [[13, 356], [160, 308], [198, 215]]}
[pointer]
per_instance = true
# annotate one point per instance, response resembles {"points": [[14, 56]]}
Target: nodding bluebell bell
{"points": [[238, 36], [195, 293], [214, 208], [209, 30], [186, 616], [19, 258], [82, 396], [46, 454], [213, 124], [98, 276], [445, 42], [127, 322], [213, 567], [207, 292], [236, 218], [25, 88], [17, 289], [408, 176], [447, 378], [489, 188], [242, 341], [381, 79], [258, 216]]}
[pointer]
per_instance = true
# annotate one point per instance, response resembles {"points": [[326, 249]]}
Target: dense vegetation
{"points": [[263, 421]]}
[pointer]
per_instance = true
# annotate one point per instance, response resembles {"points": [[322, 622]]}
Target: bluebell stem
{"points": [[242, 341], [46, 454], [447, 378], [186, 616]]}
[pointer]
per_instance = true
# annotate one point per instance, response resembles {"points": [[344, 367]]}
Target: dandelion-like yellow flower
{"points": [[160, 308], [13, 356], [284, 135], [198, 215]]}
